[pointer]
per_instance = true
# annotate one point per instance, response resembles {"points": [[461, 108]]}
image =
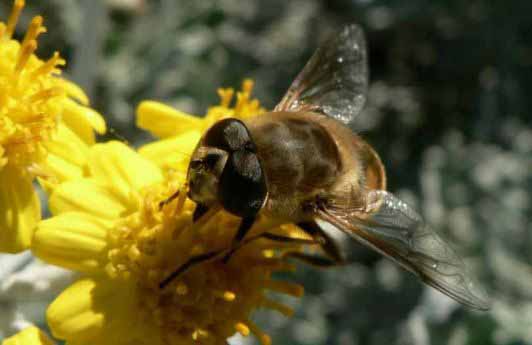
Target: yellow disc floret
{"points": [[127, 235], [33, 99], [44, 126], [209, 302], [244, 106], [28, 105]]}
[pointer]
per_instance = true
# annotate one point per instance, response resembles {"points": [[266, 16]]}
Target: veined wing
{"points": [[335, 79], [391, 227]]}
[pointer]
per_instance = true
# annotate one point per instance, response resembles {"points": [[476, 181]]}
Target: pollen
{"points": [[212, 300]]}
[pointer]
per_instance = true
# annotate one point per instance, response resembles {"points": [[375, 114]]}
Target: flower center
{"points": [[29, 94], [211, 300], [244, 106]]}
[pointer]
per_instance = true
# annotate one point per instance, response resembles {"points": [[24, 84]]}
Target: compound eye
{"points": [[210, 160]]}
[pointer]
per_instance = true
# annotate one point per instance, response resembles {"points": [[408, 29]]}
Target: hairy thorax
{"points": [[300, 157]]}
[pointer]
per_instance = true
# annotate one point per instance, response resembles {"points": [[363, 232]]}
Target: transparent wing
{"points": [[391, 227], [334, 81]]}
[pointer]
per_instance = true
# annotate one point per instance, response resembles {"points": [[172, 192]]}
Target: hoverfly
{"points": [[301, 164]]}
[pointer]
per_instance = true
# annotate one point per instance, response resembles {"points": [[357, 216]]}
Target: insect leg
{"points": [[272, 237], [331, 249], [209, 255], [286, 239], [328, 244], [243, 229], [169, 199], [314, 260], [199, 211], [190, 262]]}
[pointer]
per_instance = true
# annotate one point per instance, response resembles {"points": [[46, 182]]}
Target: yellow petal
{"points": [[73, 90], [72, 313], [85, 195], [83, 120], [95, 119], [72, 240], [47, 185], [122, 169], [59, 170], [19, 210], [29, 336], [89, 311], [164, 121], [175, 151], [67, 145]]}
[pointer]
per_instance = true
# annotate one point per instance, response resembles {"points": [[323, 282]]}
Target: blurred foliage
{"points": [[449, 112]]}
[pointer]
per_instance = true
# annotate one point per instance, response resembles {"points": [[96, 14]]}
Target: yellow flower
{"points": [[43, 118], [178, 129], [29, 336], [112, 227]]}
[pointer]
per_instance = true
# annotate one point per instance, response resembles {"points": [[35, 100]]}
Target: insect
{"points": [[301, 164]]}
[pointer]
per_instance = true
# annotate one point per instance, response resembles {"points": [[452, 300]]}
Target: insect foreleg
{"points": [[190, 262], [314, 260], [243, 229], [212, 254], [328, 244], [169, 199], [199, 211]]}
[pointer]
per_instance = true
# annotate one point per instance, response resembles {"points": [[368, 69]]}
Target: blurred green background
{"points": [[449, 112]]}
